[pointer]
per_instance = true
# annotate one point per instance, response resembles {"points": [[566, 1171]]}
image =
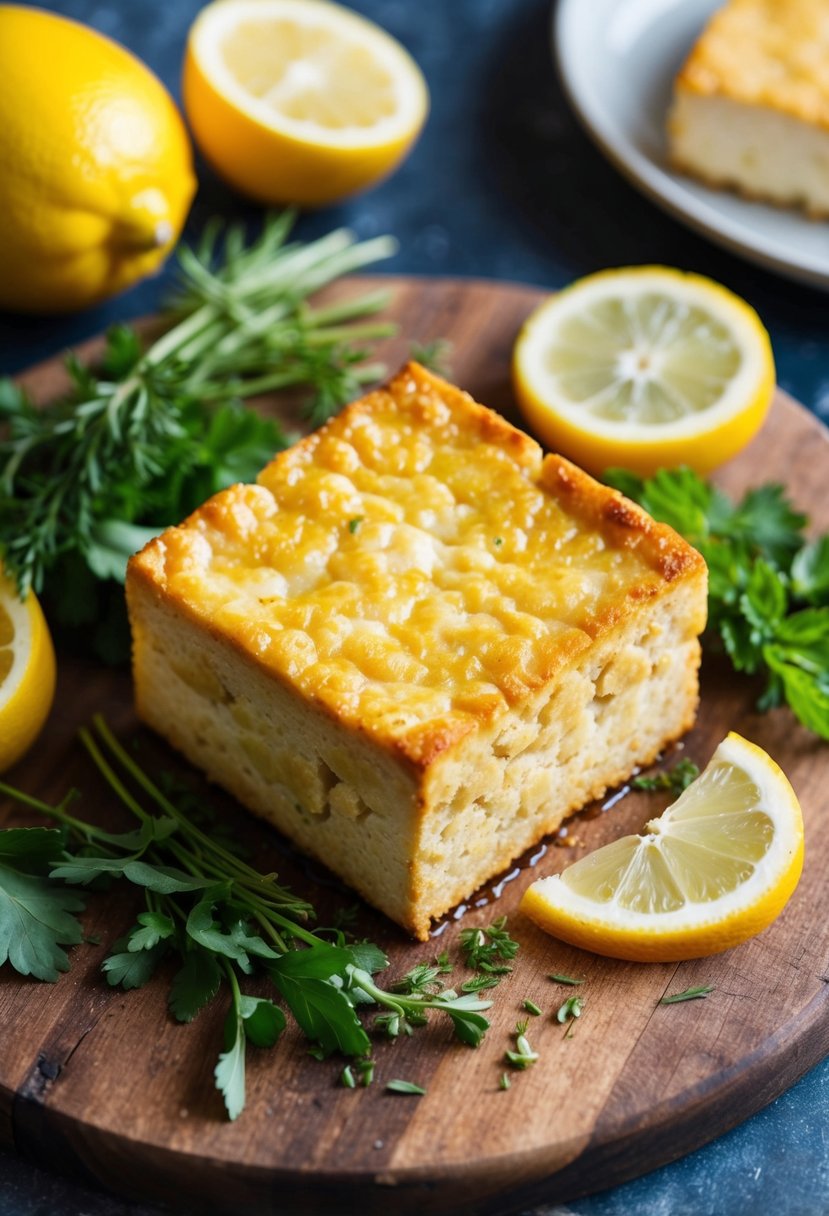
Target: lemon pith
{"points": [[27, 673], [644, 367], [715, 869], [299, 101], [97, 166]]}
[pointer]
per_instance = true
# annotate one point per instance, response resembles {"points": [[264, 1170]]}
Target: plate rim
{"points": [[652, 180]]}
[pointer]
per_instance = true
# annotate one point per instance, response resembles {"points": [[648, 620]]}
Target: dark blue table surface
{"points": [[503, 184]]}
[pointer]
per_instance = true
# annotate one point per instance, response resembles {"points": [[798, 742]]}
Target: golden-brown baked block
{"points": [[751, 105], [415, 645]]}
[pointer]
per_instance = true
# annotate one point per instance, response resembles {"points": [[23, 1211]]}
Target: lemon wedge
{"points": [[299, 101], [715, 869], [647, 368], [27, 672]]}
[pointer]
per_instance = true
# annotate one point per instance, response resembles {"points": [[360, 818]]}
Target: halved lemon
{"points": [[645, 367], [27, 672], [715, 869], [299, 101]]}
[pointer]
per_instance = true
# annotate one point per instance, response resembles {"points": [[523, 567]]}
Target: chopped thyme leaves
{"points": [[688, 994], [558, 978], [505, 1082], [347, 1078], [480, 983], [675, 779], [366, 1069], [404, 1087], [570, 1009], [483, 948], [523, 1056], [532, 1008]]}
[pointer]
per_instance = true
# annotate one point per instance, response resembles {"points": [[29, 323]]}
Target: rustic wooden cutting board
{"points": [[104, 1082]]}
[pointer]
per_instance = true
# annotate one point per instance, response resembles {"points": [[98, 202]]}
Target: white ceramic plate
{"points": [[617, 60]]}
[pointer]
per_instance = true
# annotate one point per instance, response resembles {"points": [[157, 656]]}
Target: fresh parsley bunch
{"points": [[140, 441], [219, 920], [768, 592]]}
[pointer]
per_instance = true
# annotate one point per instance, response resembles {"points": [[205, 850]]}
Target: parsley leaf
{"points": [[132, 968], [263, 1021], [36, 919], [195, 985], [230, 1070], [321, 1008], [155, 927], [810, 572], [768, 592], [31, 849]]}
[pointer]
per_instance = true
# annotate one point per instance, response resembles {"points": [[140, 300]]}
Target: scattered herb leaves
{"points": [[523, 1056], [675, 779], [570, 1009], [222, 920], [489, 949], [404, 1087], [688, 994]]}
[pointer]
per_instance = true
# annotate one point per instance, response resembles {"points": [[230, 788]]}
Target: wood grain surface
{"points": [[105, 1083]]}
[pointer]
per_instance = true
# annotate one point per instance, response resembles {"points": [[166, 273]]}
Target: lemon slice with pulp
{"points": [[299, 101], [645, 367], [715, 869], [27, 672]]}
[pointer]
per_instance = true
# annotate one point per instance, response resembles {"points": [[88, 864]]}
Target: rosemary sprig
{"points": [[142, 441]]}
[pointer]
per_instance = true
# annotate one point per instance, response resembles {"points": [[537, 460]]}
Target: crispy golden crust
{"points": [[765, 53], [414, 569]]}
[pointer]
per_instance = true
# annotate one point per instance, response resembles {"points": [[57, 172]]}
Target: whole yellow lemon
{"points": [[96, 173]]}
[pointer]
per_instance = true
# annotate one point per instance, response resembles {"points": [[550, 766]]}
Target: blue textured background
{"points": [[502, 184]]}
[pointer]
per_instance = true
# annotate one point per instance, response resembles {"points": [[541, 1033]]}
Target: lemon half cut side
{"points": [[714, 870], [645, 367], [299, 101], [27, 672]]}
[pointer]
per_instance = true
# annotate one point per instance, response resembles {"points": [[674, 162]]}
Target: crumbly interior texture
{"points": [[751, 105], [416, 646]]}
